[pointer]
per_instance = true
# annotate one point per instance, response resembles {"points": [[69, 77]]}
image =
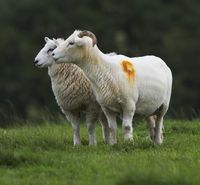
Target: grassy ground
{"points": [[44, 155]]}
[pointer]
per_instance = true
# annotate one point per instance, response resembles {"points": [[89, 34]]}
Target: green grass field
{"points": [[44, 155]]}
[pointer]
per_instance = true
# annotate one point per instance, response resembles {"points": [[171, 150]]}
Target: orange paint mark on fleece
{"points": [[128, 68]]}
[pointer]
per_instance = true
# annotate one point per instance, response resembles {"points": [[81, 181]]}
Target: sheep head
{"points": [[44, 58], [75, 47]]}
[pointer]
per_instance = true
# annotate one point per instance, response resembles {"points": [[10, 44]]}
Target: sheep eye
{"points": [[71, 43], [50, 50]]}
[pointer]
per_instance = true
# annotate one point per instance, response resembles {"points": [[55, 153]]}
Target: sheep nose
{"points": [[36, 61]]}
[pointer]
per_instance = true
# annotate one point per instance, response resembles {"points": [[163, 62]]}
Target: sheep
{"points": [[121, 84], [73, 92]]}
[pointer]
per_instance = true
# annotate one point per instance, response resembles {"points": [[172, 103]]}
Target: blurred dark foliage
{"points": [[166, 28]]}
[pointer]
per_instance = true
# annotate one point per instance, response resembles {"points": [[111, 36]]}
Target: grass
{"points": [[44, 154]]}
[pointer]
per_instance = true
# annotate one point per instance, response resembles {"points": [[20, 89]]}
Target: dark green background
{"points": [[169, 29]]}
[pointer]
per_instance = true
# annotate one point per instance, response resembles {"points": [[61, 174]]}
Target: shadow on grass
{"points": [[185, 130], [9, 159], [131, 146], [151, 179]]}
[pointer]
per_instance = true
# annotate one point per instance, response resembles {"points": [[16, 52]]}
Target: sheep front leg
{"points": [[91, 120], [112, 124], [127, 124], [105, 127], [74, 119]]}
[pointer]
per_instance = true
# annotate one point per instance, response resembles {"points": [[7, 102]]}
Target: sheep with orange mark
{"points": [[73, 92], [121, 84]]}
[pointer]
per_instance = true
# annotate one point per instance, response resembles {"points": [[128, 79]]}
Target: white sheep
{"points": [[121, 84], [72, 91]]}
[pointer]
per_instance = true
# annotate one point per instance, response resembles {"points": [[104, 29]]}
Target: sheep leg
{"points": [[159, 125], [112, 124], [127, 124], [151, 126], [74, 119], [105, 127], [159, 130], [91, 119]]}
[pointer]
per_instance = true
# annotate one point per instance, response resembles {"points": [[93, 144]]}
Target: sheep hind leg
{"points": [[159, 131], [151, 126], [74, 119], [159, 125]]}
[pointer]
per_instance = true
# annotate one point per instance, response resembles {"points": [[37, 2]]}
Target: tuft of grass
{"points": [[44, 154]]}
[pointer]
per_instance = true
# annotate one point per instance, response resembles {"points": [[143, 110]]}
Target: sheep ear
{"points": [[46, 39], [56, 42], [80, 42]]}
